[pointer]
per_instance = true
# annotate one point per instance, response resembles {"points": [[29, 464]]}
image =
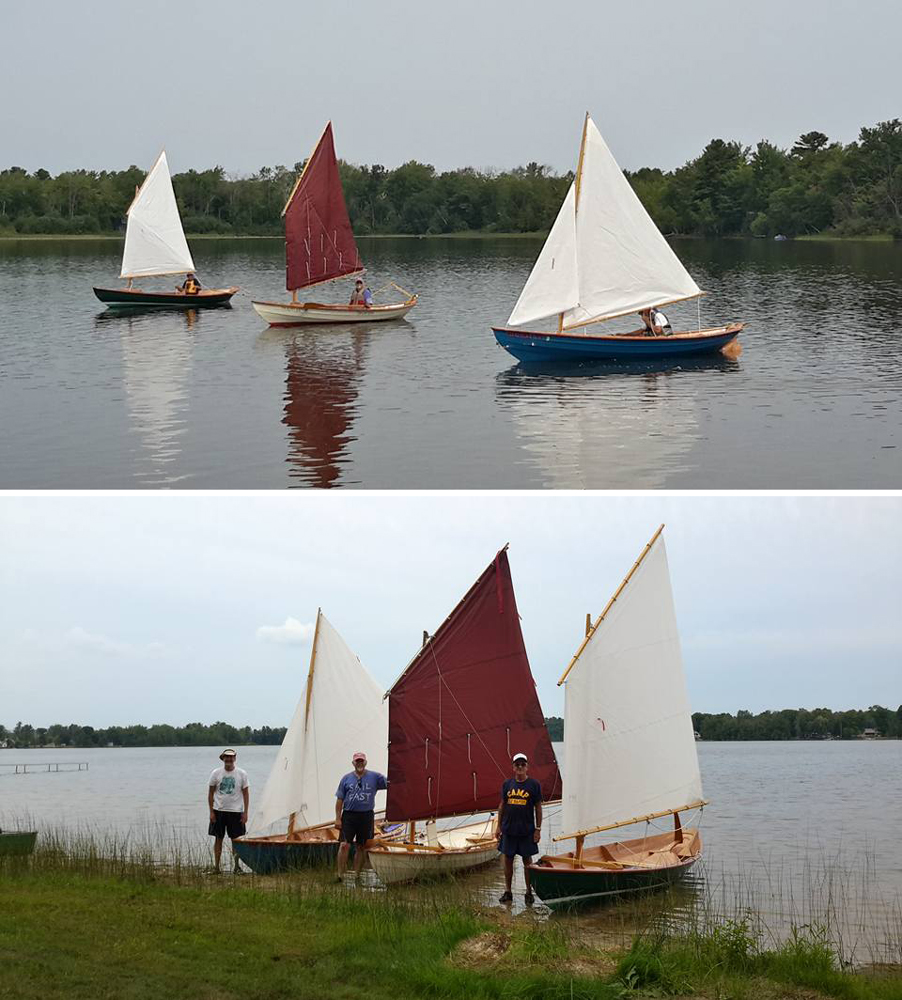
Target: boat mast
{"points": [[578, 184], [319, 612], [610, 604]]}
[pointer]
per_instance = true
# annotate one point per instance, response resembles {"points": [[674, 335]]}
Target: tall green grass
{"points": [[715, 938]]}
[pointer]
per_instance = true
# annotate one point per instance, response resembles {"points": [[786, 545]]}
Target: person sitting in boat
{"points": [[361, 296], [190, 286], [660, 324]]}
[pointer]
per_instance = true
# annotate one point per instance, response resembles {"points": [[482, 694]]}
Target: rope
{"points": [[444, 684]]}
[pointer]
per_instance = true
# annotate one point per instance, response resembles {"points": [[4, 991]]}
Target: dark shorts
{"points": [[226, 823], [356, 827], [511, 846]]}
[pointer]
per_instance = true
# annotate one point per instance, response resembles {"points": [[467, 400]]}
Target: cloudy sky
{"points": [[175, 608], [105, 85]]}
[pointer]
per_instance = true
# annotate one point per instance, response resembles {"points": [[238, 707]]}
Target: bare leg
{"points": [[343, 849], [526, 875], [217, 852], [359, 858], [508, 871]]}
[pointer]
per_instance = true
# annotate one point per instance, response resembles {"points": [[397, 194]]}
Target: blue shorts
{"points": [[511, 846]]}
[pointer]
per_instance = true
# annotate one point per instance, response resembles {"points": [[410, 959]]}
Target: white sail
{"points": [[346, 713], [628, 739], [621, 262], [552, 285], [154, 239]]}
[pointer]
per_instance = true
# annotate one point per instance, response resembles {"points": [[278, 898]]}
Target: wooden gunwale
{"points": [[204, 293], [618, 337], [335, 307]]}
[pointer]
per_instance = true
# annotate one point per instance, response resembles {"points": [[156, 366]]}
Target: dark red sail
{"points": [[463, 707], [319, 242]]}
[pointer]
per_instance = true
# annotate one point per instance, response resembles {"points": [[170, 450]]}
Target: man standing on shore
{"points": [[355, 806], [227, 799], [519, 824]]}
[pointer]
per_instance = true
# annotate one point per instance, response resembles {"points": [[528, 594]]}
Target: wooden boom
{"points": [[591, 632], [629, 822]]}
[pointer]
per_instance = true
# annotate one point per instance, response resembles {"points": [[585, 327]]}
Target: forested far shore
{"points": [[875, 722], [815, 187]]}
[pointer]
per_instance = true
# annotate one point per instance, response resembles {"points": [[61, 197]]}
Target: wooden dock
{"points": [[43, 767]]}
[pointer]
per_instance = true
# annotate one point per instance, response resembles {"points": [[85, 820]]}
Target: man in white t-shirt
{"points": [[227, 798]]}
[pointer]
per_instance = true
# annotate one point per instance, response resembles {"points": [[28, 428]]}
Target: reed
{"points": [[86, 895]]}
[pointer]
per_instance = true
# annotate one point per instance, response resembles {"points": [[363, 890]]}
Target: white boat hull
{"points": [[464, 848], [301, 313]]}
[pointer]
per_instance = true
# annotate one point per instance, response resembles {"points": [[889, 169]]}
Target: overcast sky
{"points": [[104, 85], [174, 608]]}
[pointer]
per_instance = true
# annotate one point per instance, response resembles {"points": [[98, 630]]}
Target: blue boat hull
{"points": [[530, 345]]}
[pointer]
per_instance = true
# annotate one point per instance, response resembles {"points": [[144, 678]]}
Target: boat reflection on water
{"points": [[157, 356], [323, 373], [609, 425]]}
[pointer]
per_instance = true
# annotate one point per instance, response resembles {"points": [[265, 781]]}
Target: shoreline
{"points": [[74, 921], [463, 235]]}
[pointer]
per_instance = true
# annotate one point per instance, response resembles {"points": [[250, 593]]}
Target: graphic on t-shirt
{"points": [[518, 796], [227, 785]]}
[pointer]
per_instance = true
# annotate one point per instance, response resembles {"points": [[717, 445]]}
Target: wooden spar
{"points": [[627, 312], [610, 604], [448, 617], [319, 612], [291, 819], [579, 166], [588, 624], [139, 189], [297, 183], [294, 295], [629, 822]]}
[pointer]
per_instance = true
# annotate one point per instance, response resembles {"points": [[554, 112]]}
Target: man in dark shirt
{"points": [[519, 824]]}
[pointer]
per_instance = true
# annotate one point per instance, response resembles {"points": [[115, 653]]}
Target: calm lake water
{"points": [[214, 399], [795, 833]]}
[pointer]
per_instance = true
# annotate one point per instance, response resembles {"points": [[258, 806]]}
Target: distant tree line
{"points": [[195, 734], [799, 724], [788, 724], [816, 186]]}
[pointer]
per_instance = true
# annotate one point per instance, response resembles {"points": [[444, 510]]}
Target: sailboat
{"points": [[320, 248], [630, 754], [341, 710], [155, 245], [603, 258], [463, 706]]}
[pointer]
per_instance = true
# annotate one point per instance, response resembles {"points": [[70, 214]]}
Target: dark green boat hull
{"points": [[17, 842], [269, 857], [124, 298], [557, 886]]}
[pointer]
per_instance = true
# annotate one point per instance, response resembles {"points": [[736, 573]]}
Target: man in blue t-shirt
{"points": [[355, 806], [519, 824]]}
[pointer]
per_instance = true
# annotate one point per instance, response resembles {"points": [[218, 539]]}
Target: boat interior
{"points": [[665, 850]]}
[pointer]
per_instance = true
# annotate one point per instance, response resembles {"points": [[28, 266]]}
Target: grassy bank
{"points": [[94, 923]]}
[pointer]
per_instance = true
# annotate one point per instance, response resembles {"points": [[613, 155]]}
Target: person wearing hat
{"points": [[190, 286], [519, 824], [227, 798], [361, 296], [355, 808]]}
